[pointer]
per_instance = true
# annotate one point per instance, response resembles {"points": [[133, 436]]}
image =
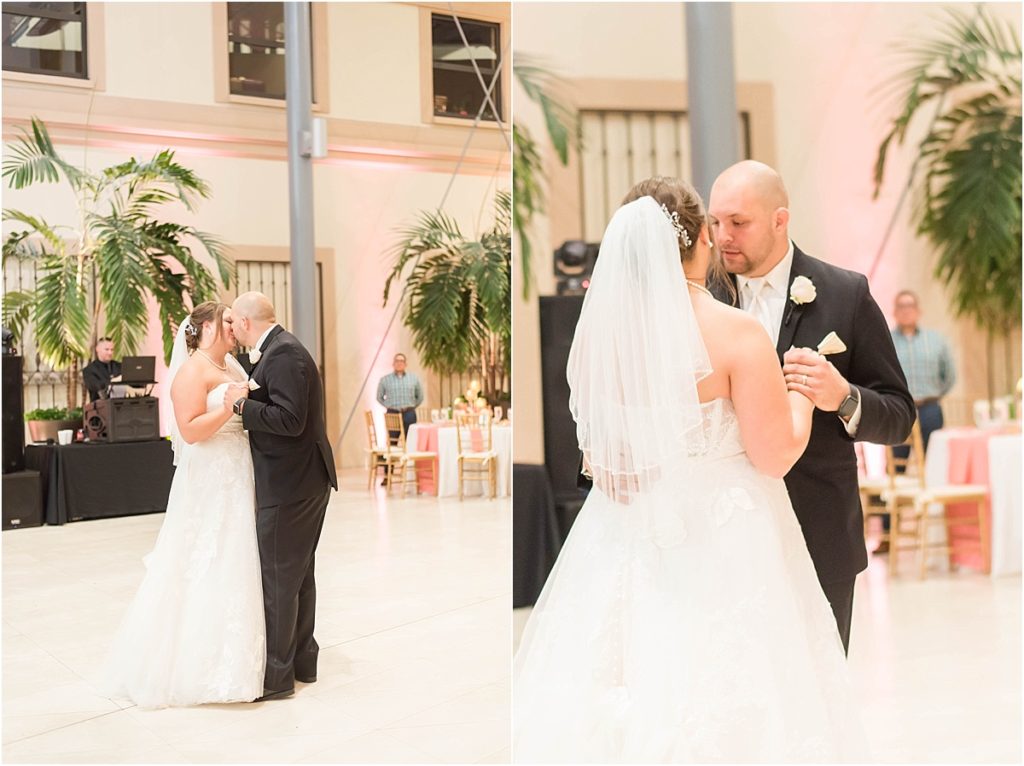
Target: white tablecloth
{"points": [[1004, 467], [448, 461]]}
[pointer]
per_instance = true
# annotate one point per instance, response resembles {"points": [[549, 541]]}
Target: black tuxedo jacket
{"points": [[292, 458], [823, 484]]}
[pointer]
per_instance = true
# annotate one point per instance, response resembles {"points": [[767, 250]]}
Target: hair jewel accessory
{"points": [[673, 218], [190, 329]]}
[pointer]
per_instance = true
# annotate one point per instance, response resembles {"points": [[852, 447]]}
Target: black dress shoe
{"points": [[306, 679], [270, 695]]}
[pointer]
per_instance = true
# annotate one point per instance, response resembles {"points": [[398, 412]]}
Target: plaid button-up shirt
{"points": [[400, 391], [926, 361]]}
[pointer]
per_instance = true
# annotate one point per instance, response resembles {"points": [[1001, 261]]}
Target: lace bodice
{"points": [[721, 430]]}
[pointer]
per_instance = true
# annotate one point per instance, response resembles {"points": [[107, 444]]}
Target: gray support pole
{"points": [[299, 90], [711, 86]]}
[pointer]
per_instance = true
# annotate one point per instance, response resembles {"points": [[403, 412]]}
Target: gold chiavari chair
{"points": [[881, 496], [476, 451], [915, 508], [380, 454], [404, 459]]}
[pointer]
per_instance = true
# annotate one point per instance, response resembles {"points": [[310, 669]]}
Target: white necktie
{"points": [[758, 305]]}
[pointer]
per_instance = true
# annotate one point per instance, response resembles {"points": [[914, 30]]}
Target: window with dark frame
{"points": [[256, 50], [45, 38], [457, 89]]}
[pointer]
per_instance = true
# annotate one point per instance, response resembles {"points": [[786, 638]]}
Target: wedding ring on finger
{"points": [[805, 380]]}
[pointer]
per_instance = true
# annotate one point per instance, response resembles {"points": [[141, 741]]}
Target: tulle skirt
{"points": [[195, 631], [686, 627]]}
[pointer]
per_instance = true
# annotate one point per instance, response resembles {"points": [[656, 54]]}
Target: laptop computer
{"points": [[138, 370]]}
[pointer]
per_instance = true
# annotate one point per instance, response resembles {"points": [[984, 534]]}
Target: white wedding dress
{"points": [[683, 621], [195, 632]]}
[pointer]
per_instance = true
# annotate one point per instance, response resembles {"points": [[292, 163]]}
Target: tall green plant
{"points": [[457, 295], [968, 195], [562, 124], [117, 242]]}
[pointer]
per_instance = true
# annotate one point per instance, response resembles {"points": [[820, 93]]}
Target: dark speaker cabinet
{"points": [[22, 500], [13, 417], [558, 317], [123, 420]]}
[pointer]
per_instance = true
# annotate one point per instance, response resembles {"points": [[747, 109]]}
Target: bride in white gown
{"points": [[683, 620], [195, 631]]}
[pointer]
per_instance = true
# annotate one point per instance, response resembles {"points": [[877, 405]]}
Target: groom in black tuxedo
{"points": [[294, 469], [859, 394]]}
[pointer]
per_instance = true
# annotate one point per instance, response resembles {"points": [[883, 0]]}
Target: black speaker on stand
{"points": [[13, 417]]}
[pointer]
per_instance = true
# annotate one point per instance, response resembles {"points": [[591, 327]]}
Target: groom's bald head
{"points": [[749, 214], [253, 313]]}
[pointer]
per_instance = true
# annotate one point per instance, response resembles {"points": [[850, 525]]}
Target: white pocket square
{"points": [[831, 344], [253, 385]]}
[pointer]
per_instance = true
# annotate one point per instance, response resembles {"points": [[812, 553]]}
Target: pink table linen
{"points": [[426, 474], [427, 441], [969, 464]]}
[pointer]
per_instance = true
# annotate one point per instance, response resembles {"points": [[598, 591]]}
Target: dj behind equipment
{"points": [[123, 409]]}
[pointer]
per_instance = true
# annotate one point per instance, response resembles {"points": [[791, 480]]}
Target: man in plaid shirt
{"points": [[401, 391]]}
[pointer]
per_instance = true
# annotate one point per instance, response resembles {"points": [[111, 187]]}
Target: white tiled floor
{"points": [[413, 622], [936, 665]]}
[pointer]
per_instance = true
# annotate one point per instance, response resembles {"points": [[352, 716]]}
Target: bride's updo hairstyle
{"points": [[682, 199], [210, 311]]}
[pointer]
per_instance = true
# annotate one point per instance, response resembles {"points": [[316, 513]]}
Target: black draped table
{"points": [[536, 538], [99, 480]]}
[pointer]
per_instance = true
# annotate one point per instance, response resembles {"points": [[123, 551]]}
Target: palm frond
{"points": [[60, 315], [32, 158], [17, 307]]}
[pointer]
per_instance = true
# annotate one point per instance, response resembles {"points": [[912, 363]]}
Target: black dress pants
{"points": [[288, 535]]}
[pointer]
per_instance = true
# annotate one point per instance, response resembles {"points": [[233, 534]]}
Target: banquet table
{"points": [[983, 456], [442, 439]]}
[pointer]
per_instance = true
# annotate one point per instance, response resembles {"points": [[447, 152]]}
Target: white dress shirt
{"points": [[772, 290], [766, 298]]}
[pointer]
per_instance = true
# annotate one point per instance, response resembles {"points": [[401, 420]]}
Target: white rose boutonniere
{"points": [[254, 356], [802, 291]]}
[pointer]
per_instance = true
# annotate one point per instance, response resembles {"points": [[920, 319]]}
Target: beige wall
{"points": [[823, 63], [384, 165]]}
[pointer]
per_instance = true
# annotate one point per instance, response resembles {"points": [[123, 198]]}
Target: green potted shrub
{"points": [[44, 423]]}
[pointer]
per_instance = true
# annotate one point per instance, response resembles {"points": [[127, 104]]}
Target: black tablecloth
{"points": [[93, 481], [536, 539]]}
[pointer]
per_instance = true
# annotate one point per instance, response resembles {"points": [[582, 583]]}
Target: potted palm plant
{"points": [[456, 296], [968, 193], [115, 256]]}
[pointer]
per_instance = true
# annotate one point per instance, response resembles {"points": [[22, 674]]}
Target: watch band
{"points": [[237, 406]]}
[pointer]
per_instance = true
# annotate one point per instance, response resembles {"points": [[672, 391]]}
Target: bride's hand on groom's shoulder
{"points": [[814, 376]]}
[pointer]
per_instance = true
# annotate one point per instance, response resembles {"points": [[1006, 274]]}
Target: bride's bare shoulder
{"points": [[729, 318], [189, 378]]}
